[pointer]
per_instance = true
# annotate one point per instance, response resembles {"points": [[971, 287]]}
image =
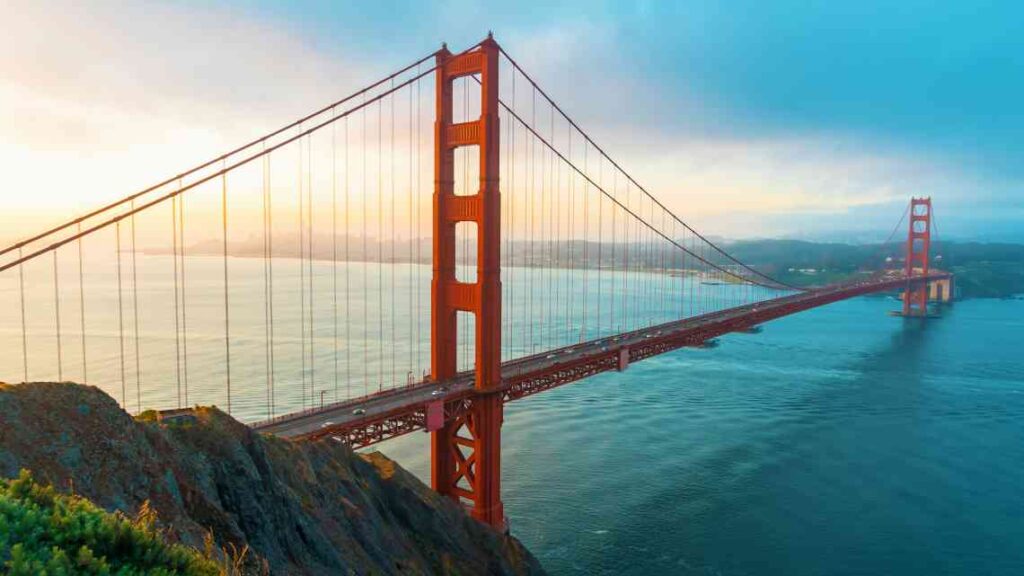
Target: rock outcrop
{"points": [[299, 507]]}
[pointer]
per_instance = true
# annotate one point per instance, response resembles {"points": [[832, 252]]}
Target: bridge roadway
{"points": [[370, 419]]}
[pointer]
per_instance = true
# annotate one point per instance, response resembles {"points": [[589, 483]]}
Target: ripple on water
{"points": [[882, 448]]}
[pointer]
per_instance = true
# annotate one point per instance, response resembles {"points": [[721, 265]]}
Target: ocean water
{"points": [[838, 441]]}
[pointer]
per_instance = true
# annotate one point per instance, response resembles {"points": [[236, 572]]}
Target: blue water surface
{"points": [[837, 441]]}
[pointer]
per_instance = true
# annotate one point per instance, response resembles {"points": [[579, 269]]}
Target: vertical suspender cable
{"points": [[655, 270], [270, 284], [24, 331], [227, 317], [380, 245], [334, 245], [120, 312], [503, 240], [266, 282], [687, 283], [543, 243], [366, 275], [309, 264], [709, 294], [655, 267], [649, 270], [638, 277], [549, 264], [184, 306], [624, 305], [56, 308], [393, 266], [635, 268], [626, 263], [412, 333], [506, 196], [697, 297], [135, 317], [677, 266], [611, 287], [586, 237], [664, 276], [648, 273], [419, 205], [557, 179], [687, 287], [81, 306], [348, 267], [177, 313], [302, 267], [571, 235], [533, 208], [600, 239], [701, 292], [512, 223]]}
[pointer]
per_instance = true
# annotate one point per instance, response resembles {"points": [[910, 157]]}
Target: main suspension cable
{"points": [[590, 182], [222, 157], [637, 184], [210, 177]]}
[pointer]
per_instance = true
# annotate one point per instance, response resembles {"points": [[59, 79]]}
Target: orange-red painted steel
{"points": [[466, 451], [919, 240]]}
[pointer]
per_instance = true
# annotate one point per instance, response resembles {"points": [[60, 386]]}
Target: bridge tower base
{"points": [[466, 451]]}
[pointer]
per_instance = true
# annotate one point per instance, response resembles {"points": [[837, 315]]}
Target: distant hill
{"points": [[988, 270], [983, 270]]}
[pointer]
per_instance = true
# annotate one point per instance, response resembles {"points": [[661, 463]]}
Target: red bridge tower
{"points": [[465, 453], [919, 239]]}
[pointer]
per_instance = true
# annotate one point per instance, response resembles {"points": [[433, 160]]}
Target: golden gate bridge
{"points": [[292, 273]]}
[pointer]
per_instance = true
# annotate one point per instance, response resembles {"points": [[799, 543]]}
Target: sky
{"points": [[812, 120]]}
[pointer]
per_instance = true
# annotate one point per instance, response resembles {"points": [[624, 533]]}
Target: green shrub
{"points": [[43, 532], [148, 416]]}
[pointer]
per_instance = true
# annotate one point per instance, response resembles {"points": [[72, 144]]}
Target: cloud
{"points": [[725, 114], [793, 149], [104, 99]]}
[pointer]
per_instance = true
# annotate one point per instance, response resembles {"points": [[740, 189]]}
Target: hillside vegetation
{"points": [[45, 532]]}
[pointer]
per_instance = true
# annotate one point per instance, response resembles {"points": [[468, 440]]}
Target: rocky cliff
{"points": [[299, 507]]}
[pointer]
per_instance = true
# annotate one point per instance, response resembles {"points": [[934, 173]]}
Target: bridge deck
{"points": [[377, 417]]}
